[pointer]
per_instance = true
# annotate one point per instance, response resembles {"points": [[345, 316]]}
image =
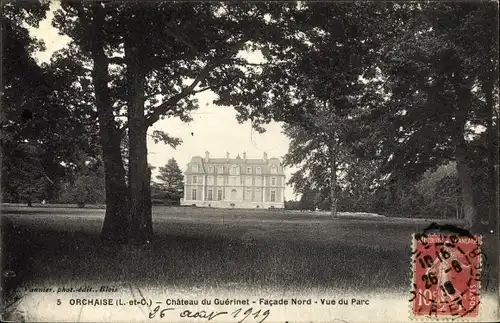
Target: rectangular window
{"points": [[248, 181], [195, 168], [258, 195], [219, 195], [273, 181], [273, 196], [258, 181], [259, 170], [248, 195], [210, 180], [219, 180], [235, 170], [210, 169], [220, 169], [193, 196], [249, 170], [195, 179], [209, 194], [274, 169]]}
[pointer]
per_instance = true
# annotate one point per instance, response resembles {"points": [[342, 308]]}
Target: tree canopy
{"points": [[47, 117]]}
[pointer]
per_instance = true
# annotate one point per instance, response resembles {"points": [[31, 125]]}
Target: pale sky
{"points": [[213, 128]]}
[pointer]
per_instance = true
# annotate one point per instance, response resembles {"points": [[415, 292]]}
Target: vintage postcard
{"points": [[249, 162]]}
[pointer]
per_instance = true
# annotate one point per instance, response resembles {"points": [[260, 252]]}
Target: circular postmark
{"points": [[446, 275]]}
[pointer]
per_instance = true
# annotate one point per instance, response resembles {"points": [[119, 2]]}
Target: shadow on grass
{"points": [[203, 262], [17, 256]]}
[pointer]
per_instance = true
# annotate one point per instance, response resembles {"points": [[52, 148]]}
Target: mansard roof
{"points": [[241, 162], [232, 161]]}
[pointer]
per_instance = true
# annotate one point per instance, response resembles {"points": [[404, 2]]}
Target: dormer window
{"points": [[258, 170], [195, 167], [274, 169]]}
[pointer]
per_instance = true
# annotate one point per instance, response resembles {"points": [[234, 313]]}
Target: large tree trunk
{"points": [[488, 82], [463, 169], [495, 215], [139, 172], [116, 220], [466, 184], [333, 179]]}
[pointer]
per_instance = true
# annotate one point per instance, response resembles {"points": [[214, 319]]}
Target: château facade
{"points": [[234, 182]]}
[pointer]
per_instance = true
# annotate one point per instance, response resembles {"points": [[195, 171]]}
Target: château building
{"points": [[234, 182]]}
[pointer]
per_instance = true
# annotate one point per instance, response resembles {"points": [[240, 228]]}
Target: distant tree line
{"points": [[435, 195], [81, 184]]}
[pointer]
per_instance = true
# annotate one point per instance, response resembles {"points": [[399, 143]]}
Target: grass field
{"points": [[214, 248]]}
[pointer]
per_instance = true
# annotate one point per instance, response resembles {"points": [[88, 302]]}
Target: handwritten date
{"points": [[239, 314]]}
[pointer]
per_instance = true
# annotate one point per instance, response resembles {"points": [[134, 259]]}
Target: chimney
{"points": [[227, 156], [207, 156], [244, 156], [265, 157]]}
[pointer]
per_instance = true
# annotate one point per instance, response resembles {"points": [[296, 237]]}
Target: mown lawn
{"points": [[210, 248]]}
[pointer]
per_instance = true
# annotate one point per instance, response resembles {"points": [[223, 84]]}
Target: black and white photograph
{"points": [[250, 161]]}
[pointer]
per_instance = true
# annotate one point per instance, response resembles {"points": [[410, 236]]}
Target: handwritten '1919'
{"points": [[209, 316]]}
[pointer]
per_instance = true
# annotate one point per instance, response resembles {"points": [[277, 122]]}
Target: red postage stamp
{"points": [[446, 276]]}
